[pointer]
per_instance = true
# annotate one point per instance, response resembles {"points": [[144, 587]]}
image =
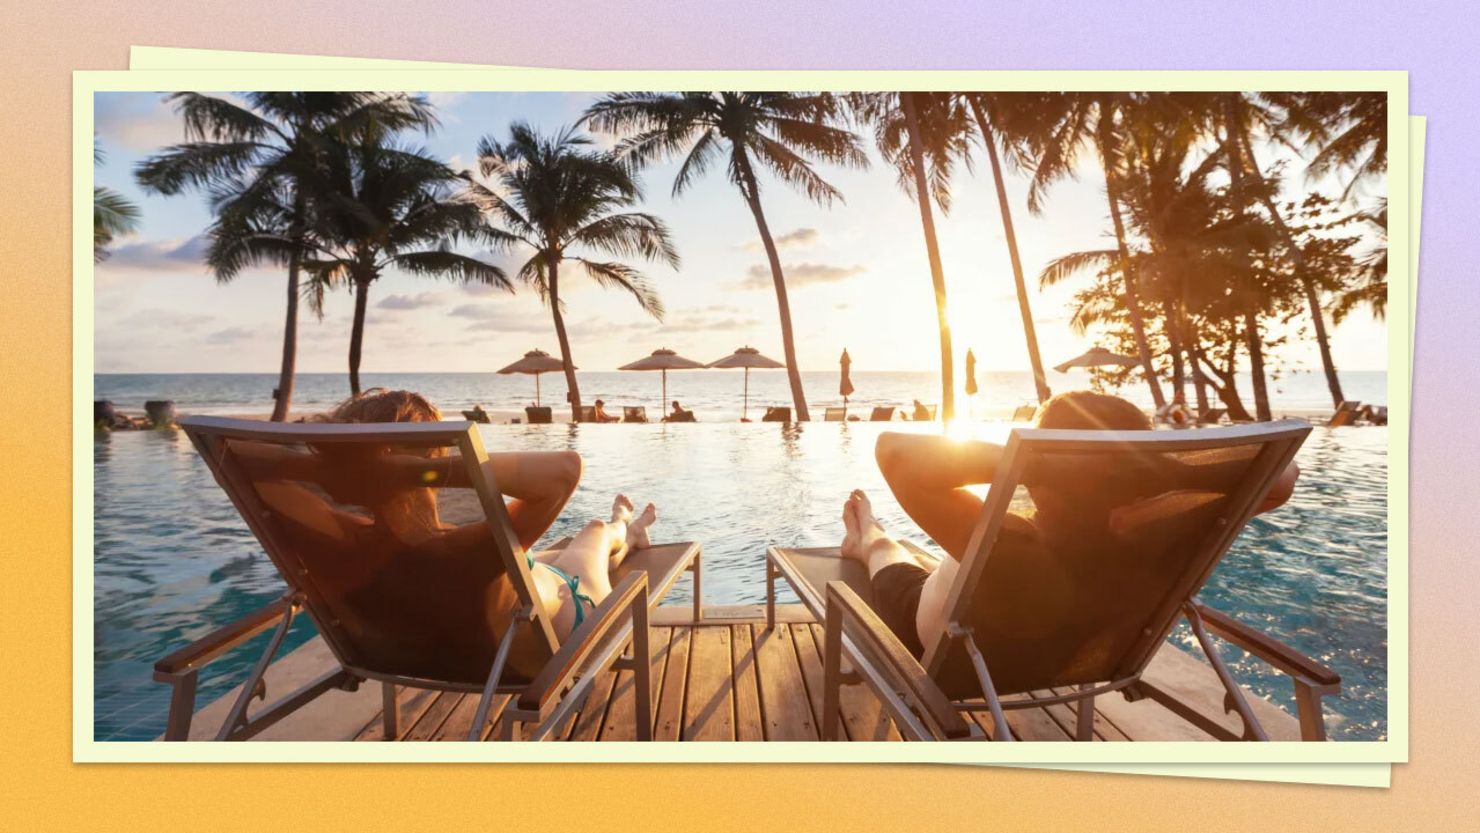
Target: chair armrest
{"points": [[629, 594], [883, 644], [1267, 648], [202, 651]]}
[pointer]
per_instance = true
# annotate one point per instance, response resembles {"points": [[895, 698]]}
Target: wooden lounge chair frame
{"points": [[835, 415], [634, 413], [545, 702], [882, 413], [1024, 413], [908, 688], [539, 415], [1347, 413], [779, 413]]}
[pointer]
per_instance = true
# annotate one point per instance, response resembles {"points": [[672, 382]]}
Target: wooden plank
{"points": [[1104, 729], [864, 717], [679, 615], [620, 723], [709, 709], [784, 708], [668, 701], [431, 720], [587, 725], [413, 702], [748, 723]]}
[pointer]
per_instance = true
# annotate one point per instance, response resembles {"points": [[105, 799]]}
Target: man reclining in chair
{"points": [[929, 476], [391, 488]]}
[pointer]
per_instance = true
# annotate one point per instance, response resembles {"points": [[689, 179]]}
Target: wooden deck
{"points": [[728, 678]]}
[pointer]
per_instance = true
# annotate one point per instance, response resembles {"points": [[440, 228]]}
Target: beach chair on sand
{"points": [[634, 414], [835, 415], [777, 415], [1019, 639], [539, 416], [476, 415], [1211, 416], [1346, 414], [588, 413], [925, 413], [420, 611], [884, 413], [1025, 413]]}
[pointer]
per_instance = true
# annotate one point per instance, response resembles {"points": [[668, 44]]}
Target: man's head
{"points": [[1087, 410], [600, 404], [1079, 504]]}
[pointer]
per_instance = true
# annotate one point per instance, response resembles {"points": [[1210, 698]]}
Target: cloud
{"points": [[797, 239], [231, 335], [137, 121], [409, 302], [163, 319], [160, 255], [710, 324], [499, 318], [798, 274]]}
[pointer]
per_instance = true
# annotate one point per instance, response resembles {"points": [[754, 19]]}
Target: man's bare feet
{"points": [[637, 528], [850, 548]]}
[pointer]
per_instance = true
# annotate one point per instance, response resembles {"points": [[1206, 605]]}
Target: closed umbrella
{"points": [[663, 360], [845, 382], [970, 373], [746, 357], [1097, 357], [533, 364]]}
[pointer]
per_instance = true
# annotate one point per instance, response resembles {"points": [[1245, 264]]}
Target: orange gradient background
{"points": [[41, 789]]}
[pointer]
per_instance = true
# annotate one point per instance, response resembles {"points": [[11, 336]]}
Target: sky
{"points": [[857, 273]]}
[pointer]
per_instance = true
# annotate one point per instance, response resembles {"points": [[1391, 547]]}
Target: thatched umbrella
{"points": [[746, 357], [663, 360], [1097, 357], [533, 364]]}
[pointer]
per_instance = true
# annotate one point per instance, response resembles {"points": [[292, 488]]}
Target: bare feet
{"points": [[849, 548], [637, 528], [622, 510]]}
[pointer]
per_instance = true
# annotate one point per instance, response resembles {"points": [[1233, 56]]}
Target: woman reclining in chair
{"points": [[1080, 512], [380, 506]]}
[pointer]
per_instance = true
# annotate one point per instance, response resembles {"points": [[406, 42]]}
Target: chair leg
{"points": [[508, 730], [390, 711], [770, 595], [642, 671], [1084, 727], [832, 661], [698, 571]]}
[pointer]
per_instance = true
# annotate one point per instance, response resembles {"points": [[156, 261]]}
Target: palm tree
{"points": [[781, 132], [558, 197], [922, 135], [982, 106], [113, 215], [1349, 128], [1065, 124], [381, 206], [252, 157]]}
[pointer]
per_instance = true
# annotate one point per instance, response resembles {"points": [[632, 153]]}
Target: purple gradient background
{"points": [[1434, 42]]}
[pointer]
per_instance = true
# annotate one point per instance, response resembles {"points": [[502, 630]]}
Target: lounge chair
{"points": [[539, 416], [634, 414], [1346, 414], [777, 415], [882, 414], [1025, 413], [923, 414], [1211, 416], [680, 416], [416, 615], [476, 415], [588, 413], [1209, 484], [835, 415], [1376, 414]]}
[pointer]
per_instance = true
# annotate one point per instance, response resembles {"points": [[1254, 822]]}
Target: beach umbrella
{"points": [[746, 357], [663, 360], [533, 364], [1097, 357], [970, 373], [845, 382]]}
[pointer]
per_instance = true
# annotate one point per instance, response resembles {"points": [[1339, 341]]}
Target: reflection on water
{"points": [[173, 559]]}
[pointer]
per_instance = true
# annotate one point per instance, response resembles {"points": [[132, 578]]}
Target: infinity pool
{"points": [[172, 559]]}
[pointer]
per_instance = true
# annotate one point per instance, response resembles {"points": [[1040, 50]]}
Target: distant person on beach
{"points": [[931, 477], [922, 413], [400, 512], [601, 415], [678, 414]]}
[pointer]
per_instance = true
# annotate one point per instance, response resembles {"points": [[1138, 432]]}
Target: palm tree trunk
{"points": [[932, 248], [572, 387], [1228, 391], [783, 305], [283, 396], [1040, 379], [1132, 295], [1255, 342], [1175, 345], [357, 334], [1312, 297]]}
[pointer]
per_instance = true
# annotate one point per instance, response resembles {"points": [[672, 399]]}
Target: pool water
{"points": [[172, 559]]}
